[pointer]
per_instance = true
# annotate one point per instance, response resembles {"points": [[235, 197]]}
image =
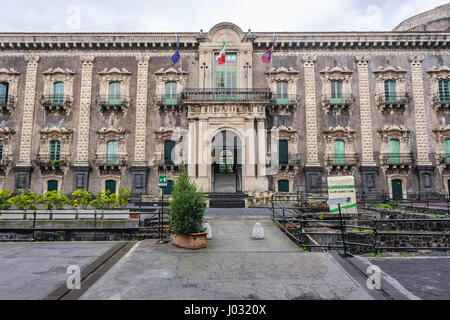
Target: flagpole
{"points": [[181, 61], [271, 59]]}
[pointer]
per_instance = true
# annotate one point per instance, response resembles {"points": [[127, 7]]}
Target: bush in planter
{"points": [[119, 200], [26, 201], [101, 200], [187, 207], [54, 199], [81, 198], [4, 197]]}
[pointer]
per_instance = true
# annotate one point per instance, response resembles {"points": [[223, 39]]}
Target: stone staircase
{"points": [[227, 200]]}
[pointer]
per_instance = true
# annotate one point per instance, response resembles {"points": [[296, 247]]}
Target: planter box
{"points": [[116, 215], [12, 215], [194, 241], [64, 214]]}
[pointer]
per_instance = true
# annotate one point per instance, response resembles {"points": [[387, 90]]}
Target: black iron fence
{"points": [[233, 94]]}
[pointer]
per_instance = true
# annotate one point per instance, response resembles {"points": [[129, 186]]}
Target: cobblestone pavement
{"points": [[31, 271], [232, 267]]}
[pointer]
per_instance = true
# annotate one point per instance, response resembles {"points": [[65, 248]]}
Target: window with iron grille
{"points": [[58, 93], [55, 149], [282, 92], [170, 95], [111, 153], [336, 91], [114, 93], [444, 92], [390, 91]]}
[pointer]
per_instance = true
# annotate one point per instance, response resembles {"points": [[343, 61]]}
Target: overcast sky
{"points": [[193, 15]]}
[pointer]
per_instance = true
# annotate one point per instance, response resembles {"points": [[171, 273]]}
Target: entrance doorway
{"points": [[397, 190], [227, 162]]}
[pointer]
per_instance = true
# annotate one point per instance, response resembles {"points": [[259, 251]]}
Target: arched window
{"points": [[58, 93], [170, 95], [283, 185], [390, 90], [3, 93], [111, 152], [110, 185], [339, 152], [114, 93], [282, 92], [394, 151], [55, 150], [52, 185], [336, 92], [444, 92]]}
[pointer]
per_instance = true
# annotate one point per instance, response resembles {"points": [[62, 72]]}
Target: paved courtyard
{"points": [[232, 267]]}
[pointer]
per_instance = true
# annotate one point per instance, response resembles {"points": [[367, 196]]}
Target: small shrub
{"points": [[54, 199], [4, 197], [81, 198], [26, 201], [101, 200]]}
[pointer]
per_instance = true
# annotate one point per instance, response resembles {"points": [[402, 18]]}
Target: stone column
{"points": [[425, 168], [139, 170], [191, 149], [262, 183], [202, 156], [313, 170], [24, 167], [81, 166], [368, 168]]}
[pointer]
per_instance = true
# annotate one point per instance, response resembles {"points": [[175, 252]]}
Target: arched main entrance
{"points": [[226, 162]]}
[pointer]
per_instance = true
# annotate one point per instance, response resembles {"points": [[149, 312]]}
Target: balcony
{"points": [[109, 103], [223, 95], [392, 103], [166, 164], [338, 160], [56, 103], [170, 102], [284, 102], [7, 103], [396, 160], [5, 162], [284, 164], [110, 162], [47, 163], [337, 106], [441, 101]]}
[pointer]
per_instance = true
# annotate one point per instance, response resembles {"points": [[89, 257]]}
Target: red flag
{"points": [[268, 55]]}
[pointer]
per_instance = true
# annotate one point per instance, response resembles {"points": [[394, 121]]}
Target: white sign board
{"points": [[342, 188]]}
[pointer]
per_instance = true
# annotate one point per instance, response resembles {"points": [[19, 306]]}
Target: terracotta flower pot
{"points": [[194, 241]]}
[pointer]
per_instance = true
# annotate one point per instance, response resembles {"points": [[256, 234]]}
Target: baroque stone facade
{"points": [[323, 106]]}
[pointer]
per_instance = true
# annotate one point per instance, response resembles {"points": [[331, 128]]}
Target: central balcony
{"points": [[225, 95], [396, 163]]}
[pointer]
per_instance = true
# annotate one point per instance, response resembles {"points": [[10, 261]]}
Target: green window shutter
{"points": [[1, 151], [447, 150], [339, 152], [390, 90], [3, 93], [282, 92], [283, 185], [444, 92], [394, 151], [110, 185], [170, 97], [58, 93], [114, 93], [336, 92], [168, 148], [111, 152], [283, 151], [52, 185], [397, 189], [55, 148], [168, 190]]}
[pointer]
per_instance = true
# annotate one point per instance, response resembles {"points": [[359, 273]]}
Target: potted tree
{"points": [[187, 214]]}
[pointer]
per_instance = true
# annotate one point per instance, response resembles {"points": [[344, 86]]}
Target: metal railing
{"points": [[341, 160], [441, 98], [110, 160], [393, 98], [6, 101], [168, 99], [396, 158], [342, 99], [224, 94], [284, 99], [56, 101], [47, 160], [110, 101]]}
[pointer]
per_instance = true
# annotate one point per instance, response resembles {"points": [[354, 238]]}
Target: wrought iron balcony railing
{"points": [[110, 160], [7, 103], [291, 160], [5, 161], [344, 99], [116, 103], [168, 100], [226, 94], [443, 159], [396, 159], [56, 102], [333, 160], [47, 161], [284, 99], [399, 98], [441, 99]]}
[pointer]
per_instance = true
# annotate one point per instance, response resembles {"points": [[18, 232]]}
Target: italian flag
{"points": [[221, 57]]}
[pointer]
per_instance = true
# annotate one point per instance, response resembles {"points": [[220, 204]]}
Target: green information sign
{"points": [[163, 181]]}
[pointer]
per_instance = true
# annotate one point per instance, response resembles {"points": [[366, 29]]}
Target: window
{"points": [[55, 149], [397, 190], [444, 92], [110, 185], [114, 93], [111, 152], [283, 151], [447, 150], [1, 151], [58, 93], [52, 185], [168, 149], [394, 151], [283, 185], [390, 91], [336, 92], [3, 93], [170, 97], [282, 92], [225, 76], [339, 152]]}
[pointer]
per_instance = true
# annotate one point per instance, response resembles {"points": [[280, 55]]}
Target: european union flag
{"points": [[175, 57]]}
